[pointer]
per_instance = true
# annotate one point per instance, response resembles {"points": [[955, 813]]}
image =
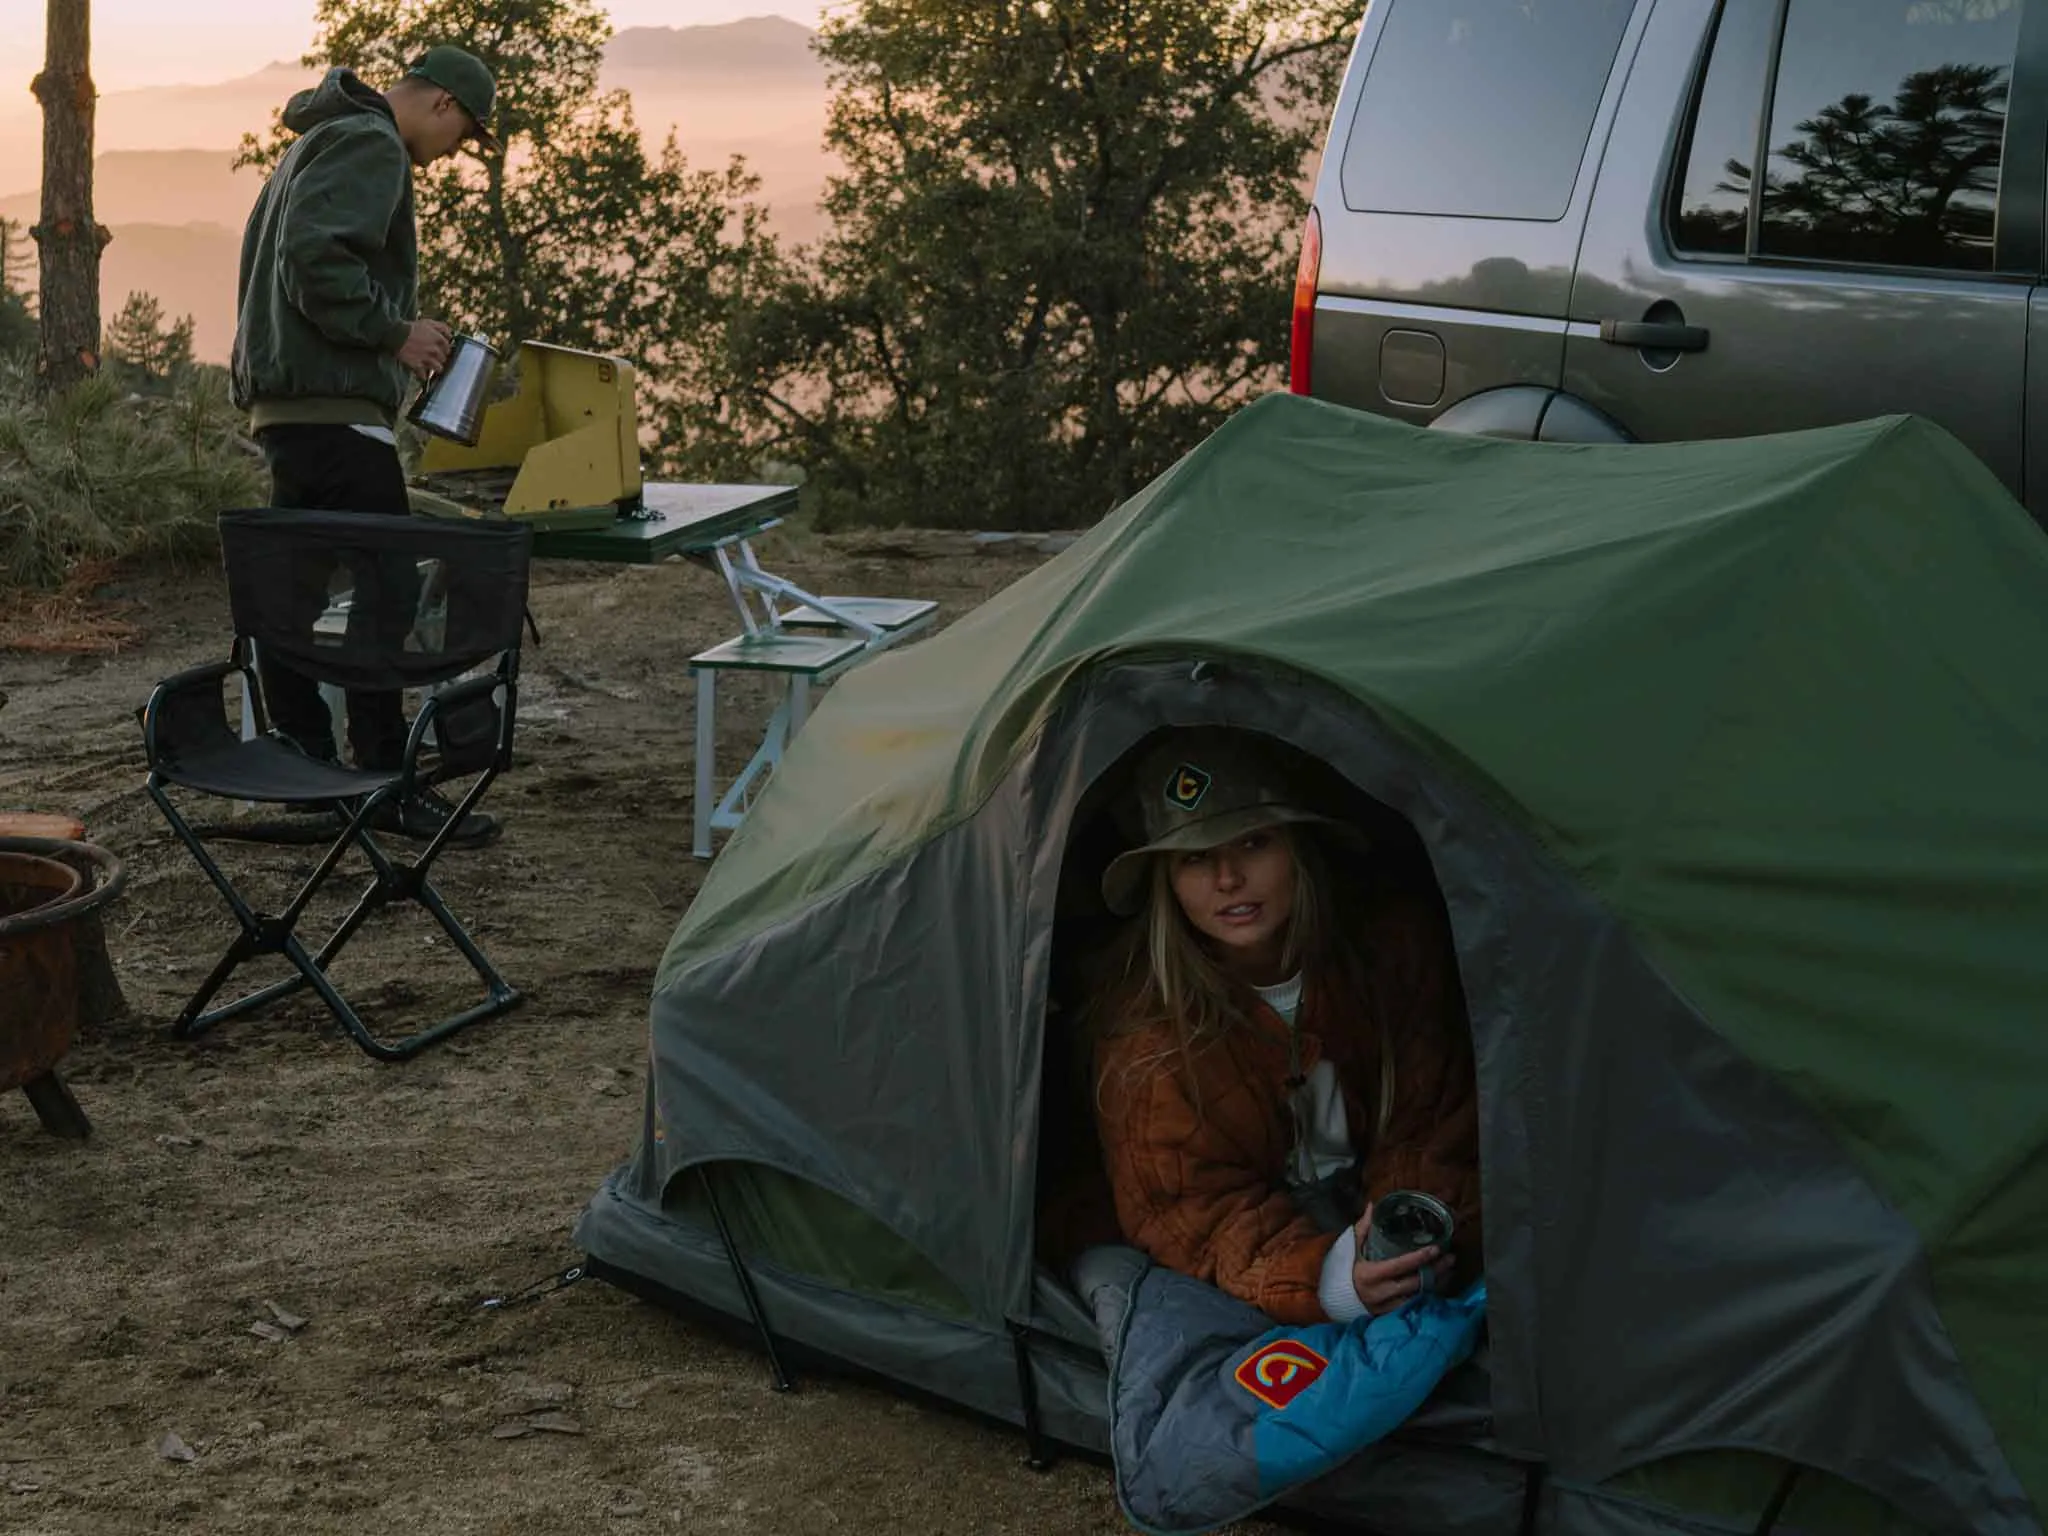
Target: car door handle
{"points": [[1654, 335]]}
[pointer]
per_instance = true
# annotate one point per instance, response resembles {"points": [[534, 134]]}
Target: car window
{"points": [[1887, 128], [1713, 199], [1480, 108]]}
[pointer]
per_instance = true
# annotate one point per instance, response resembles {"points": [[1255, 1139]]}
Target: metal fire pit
{"points": [[50, 891]]}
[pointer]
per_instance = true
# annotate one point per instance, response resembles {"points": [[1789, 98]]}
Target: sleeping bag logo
{"points": [[1185, 789], [1281, 1372]]}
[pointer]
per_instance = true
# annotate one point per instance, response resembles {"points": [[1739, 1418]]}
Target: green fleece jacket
{"points": [[330, 266]]}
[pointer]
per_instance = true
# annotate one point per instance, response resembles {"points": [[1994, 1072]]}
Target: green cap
{"points": [[1197, 789], [464, 76]]}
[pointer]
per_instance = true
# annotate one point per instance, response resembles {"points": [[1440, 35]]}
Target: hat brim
{"points": [[1123, 883], [484, 139]]}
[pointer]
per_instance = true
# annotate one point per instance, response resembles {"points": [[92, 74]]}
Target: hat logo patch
{"points": [[1186, 787]]}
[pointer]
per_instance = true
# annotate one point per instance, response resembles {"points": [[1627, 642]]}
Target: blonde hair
{"points": [[1170, 975]]}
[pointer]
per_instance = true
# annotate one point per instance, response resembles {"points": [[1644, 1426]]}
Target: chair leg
{"points": [[393, 883], [502, 997], [244, 914], [463, 807], [413, 882], [459, 937], [410, 882], [193, 1019], [261, 935]]}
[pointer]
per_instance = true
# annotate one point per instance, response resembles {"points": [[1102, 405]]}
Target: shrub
{"points": [[93, 475]]}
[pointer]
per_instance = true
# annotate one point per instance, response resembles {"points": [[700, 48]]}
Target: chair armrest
{"points": [[487, 748], [177, 698]]}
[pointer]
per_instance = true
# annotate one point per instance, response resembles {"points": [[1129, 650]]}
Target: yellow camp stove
{"points": [[561, 452]]}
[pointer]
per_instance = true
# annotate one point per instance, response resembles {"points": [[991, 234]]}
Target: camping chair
{"points": [[287, 571]]}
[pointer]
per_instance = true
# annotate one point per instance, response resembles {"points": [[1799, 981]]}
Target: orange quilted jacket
{"points": [[1196, 1144]]}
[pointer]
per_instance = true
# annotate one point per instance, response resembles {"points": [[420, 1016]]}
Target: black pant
{"points": [[333, 469]]}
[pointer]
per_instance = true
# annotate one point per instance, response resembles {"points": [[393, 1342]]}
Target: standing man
{"points": [[327, 342]]}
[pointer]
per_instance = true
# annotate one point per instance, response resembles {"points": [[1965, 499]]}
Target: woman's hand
{"points": [[1385, 1285]]}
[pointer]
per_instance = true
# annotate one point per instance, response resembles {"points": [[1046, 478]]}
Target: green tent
{"points": [[1730, 761]]}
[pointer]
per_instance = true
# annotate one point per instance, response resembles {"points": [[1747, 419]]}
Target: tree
{"points": [[69, 237], [575, 235], [147, 353], [1062, 248]]}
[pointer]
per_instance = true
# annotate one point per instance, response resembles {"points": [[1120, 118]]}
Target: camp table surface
{"points": [[678, 520]]}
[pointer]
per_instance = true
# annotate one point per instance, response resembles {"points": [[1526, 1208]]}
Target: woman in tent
{"points": [[1273, 1052]]}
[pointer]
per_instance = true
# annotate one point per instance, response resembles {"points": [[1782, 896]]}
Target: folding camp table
{"points": [[807, 643]]}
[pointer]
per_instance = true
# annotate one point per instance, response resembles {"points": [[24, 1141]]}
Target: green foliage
{"points": [[1062, 250], [18, 333], [142, 352], [17, 327], [576, 235], [89, 474]]}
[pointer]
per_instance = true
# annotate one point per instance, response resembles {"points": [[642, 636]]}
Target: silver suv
{"points": [[1542, 219]]}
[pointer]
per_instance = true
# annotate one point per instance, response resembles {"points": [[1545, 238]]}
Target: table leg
{"points": [[747, 574], [733, 805], [707, 743]]}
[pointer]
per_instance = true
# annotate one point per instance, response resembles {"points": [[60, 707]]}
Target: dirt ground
{"points": [[273, 1163]]}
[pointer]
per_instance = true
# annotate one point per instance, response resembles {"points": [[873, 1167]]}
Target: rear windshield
{"points": [[1480, 108]]}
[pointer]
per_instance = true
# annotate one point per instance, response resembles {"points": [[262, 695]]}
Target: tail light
{"points": [[1307, 273]]}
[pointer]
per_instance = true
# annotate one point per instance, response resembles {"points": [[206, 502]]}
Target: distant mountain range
{"points": [[164, 181]]}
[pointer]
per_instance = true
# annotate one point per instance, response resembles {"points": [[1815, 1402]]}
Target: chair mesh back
{"points": [[372, 601]]}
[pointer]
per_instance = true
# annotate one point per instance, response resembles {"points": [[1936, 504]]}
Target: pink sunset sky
{"points": [[152, 42]]}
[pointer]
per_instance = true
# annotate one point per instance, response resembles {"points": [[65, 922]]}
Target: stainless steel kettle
{"points": [[452, 403]]}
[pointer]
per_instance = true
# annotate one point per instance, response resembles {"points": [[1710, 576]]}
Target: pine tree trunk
{"points": [[69, 238]]}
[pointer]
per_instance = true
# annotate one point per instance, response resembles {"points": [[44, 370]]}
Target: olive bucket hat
{"points": [[1197, 789], [465, 77]]}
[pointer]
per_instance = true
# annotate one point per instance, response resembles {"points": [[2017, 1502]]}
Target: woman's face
{"points": [[1239, 895]]}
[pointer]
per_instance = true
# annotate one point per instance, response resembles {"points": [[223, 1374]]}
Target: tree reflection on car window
{"points": [[1861, 171]]}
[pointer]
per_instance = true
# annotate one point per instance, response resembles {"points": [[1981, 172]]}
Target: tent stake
{"points": [[745, 1282], [1038, 1453]]}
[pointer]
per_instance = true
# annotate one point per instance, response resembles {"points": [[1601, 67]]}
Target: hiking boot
{"points": [[426, 813]]}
